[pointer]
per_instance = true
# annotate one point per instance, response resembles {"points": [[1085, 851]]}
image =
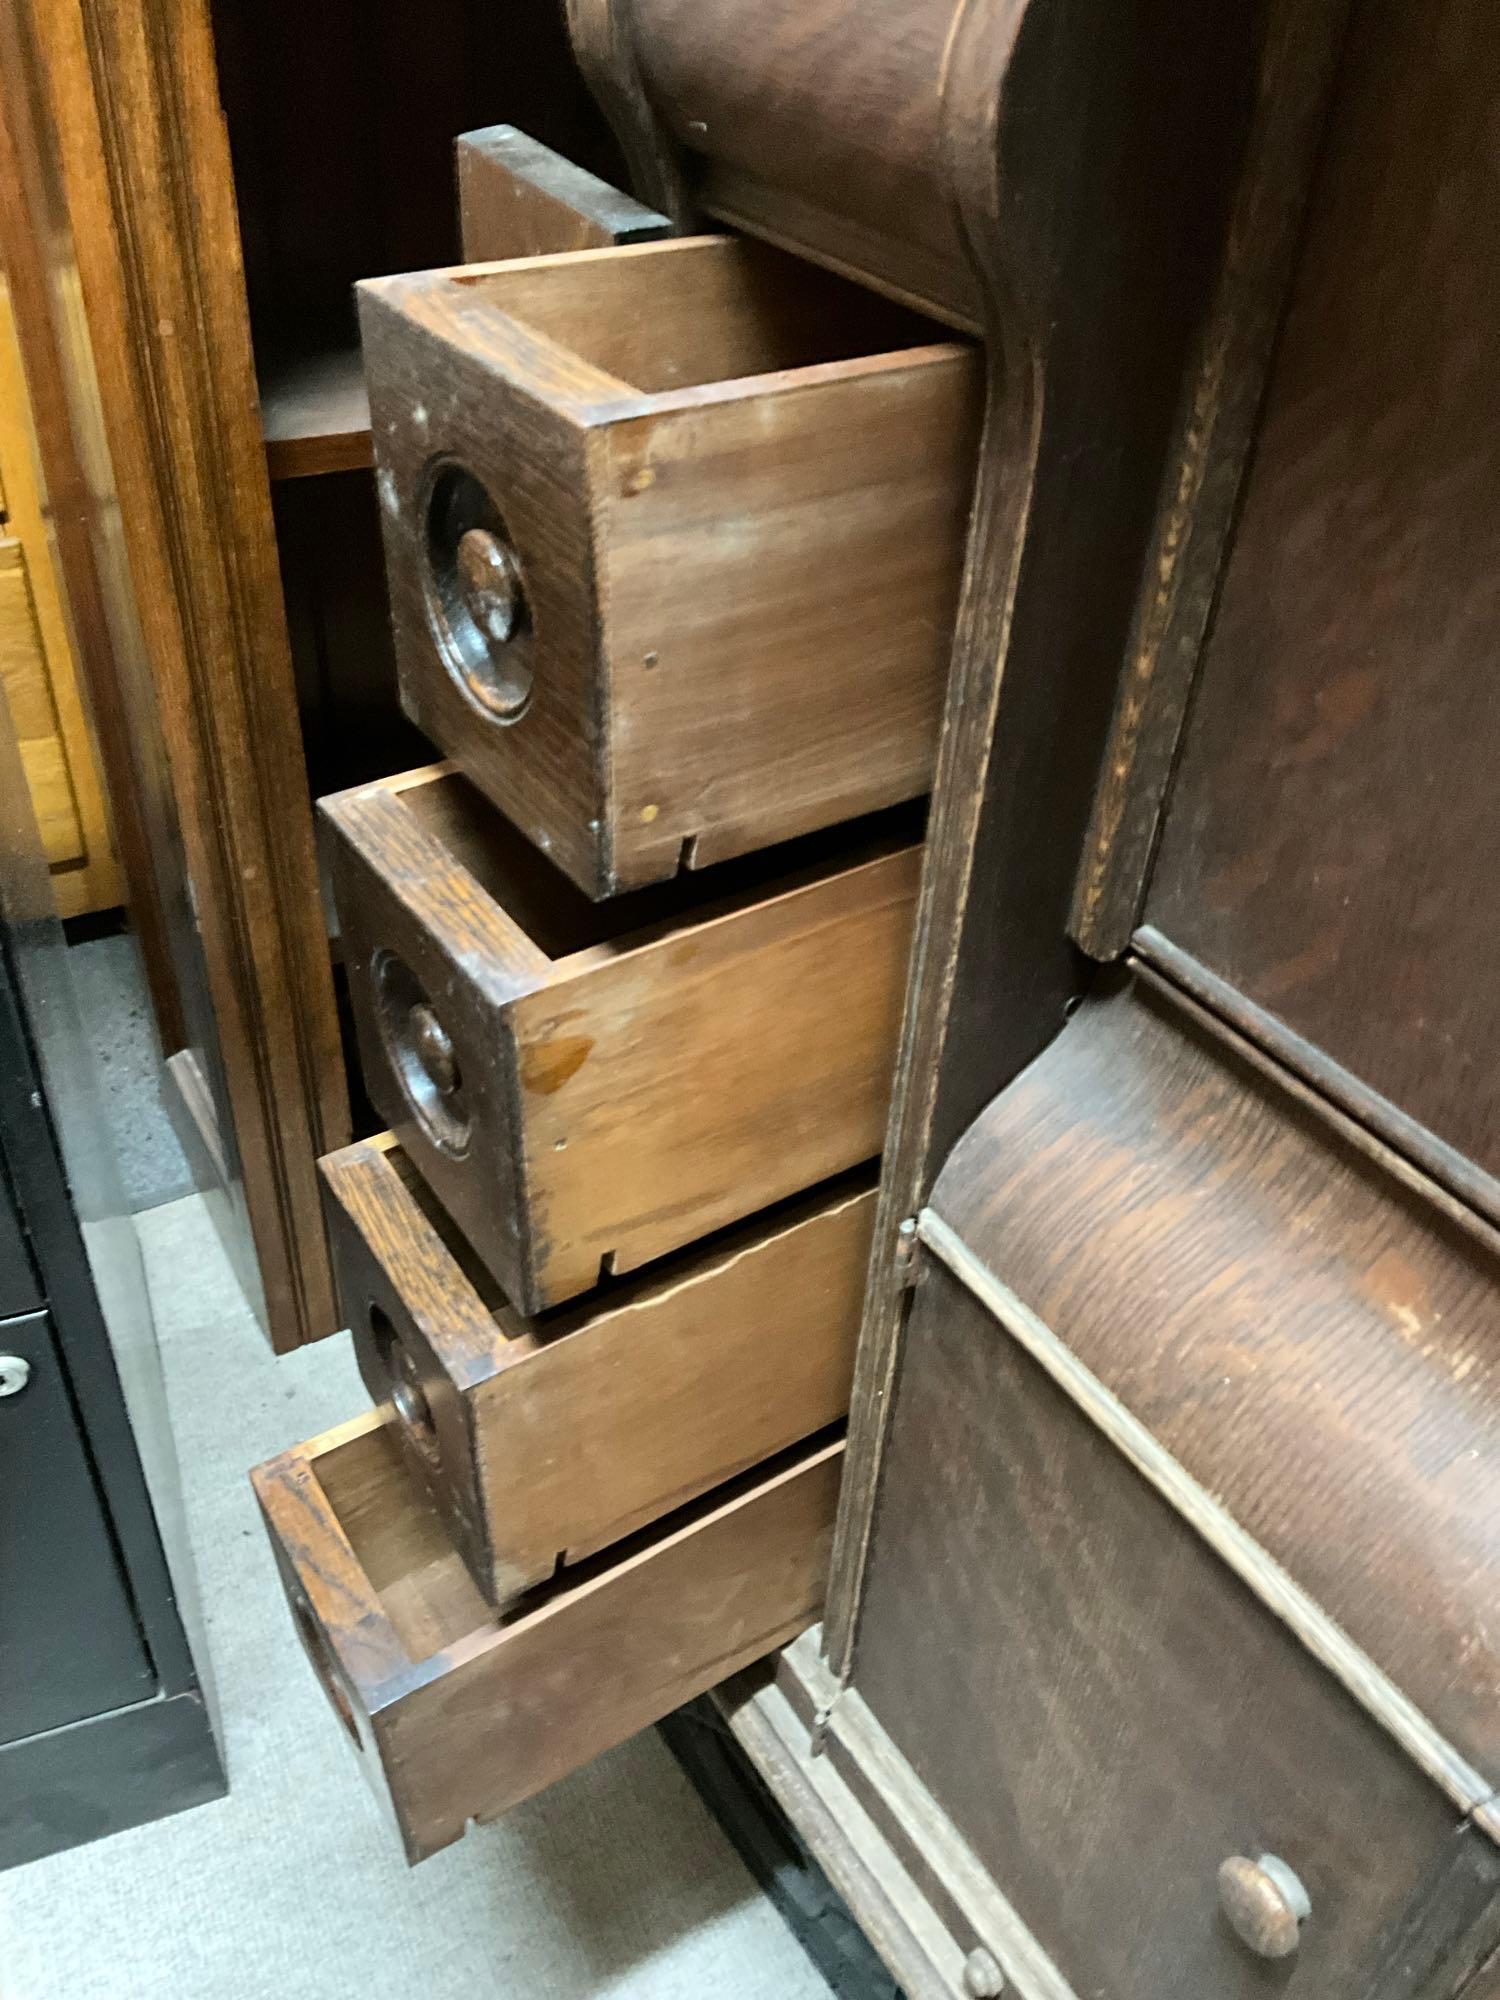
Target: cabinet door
{"points": [[70, 1644], [122, 194]]}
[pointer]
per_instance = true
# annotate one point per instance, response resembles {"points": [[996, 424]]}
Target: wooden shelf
{"points": [[315, 415]]}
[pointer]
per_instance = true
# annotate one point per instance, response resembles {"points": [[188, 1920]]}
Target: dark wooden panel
{"points": [[1332, 840], [1092, 155], [1119, 1714], [342, 119]]}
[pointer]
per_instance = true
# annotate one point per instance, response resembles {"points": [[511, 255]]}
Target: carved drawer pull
{"points": [[1265, 1904]]}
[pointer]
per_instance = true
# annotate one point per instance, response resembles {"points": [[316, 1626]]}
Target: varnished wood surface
{"points": [[543, 1441], [737, 491], [1128, 1716], [637, 1073], [1303, 1335], [39, 668], [1332, 835], [61, 388], [858, 86], [129, 94], [461, 1717]]}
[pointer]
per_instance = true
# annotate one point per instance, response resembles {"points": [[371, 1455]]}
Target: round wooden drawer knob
{"points": [[1264, 1902]]}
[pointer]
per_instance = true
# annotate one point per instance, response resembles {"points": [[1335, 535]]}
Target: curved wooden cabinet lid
{"points": [[818, 127], [1307, 1337]]}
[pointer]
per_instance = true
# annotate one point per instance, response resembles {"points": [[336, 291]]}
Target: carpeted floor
{"points": [[617, 1882]]}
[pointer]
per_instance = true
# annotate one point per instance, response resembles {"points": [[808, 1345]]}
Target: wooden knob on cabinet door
{"points": [[1264, 1903], [434, 1049]]}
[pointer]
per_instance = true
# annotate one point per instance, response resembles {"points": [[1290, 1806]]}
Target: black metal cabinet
{"points": [[70, 1642], [103, 1722]]}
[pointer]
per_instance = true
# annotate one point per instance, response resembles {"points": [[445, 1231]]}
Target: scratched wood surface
{"points": [[461, 1716], [1332, 836], [736, 490], [630, 1075], [543, 1441]]}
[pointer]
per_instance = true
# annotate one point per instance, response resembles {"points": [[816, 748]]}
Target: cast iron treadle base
{"points": [[767, 1842]]}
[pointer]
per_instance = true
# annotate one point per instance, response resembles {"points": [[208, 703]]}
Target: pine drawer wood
{"points": [[459, 1714], [734, 490], [541, 1441], [621, 1079]]}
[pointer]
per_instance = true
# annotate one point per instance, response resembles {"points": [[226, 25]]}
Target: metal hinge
{"points": [[906, 1254]]}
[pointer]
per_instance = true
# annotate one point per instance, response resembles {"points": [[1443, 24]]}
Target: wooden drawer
{"points": [[584, 1086], [460, 1715], [1131, 1717], [541, 1441], [674, 535]]}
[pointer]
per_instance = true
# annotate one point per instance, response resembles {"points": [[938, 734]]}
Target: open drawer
{"points": [[588, 1086], [460, 1714], [541, 1441], [674, 535]]}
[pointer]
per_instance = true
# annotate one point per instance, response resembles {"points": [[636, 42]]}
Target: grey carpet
{"points": [[114, 1003], [616, 1882]]}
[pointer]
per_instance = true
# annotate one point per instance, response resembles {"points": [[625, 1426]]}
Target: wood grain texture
{"points": [[1132, 1716], [518, 198], [1302, 1335], [632, 1075], [736, 490], [460, 1717], [130, 93], [33, 713], [602, 36], [1331, 835], [38, 663], [51, 341], [829, 140], [1205, 469], [543, 1441], [1090, 163]]}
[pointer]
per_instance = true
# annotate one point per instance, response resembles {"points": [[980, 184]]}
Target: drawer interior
{"points": [[564, 923], [416, 1578], [660, 317], [461, 1713]]}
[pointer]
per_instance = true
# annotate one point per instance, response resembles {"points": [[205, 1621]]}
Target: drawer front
{"points": [[542, 1443], [1118, 1716], [674, 535], [605, 1095], [460, 1715]]}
